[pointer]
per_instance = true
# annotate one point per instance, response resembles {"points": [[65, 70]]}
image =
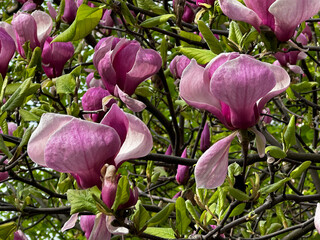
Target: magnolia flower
{"points": [[290, 59], [183, 175], [92, 100], [123, 66], [91, 81], [7, 50], [34, 28], [82, 148], [281, 16], [205, 138], [70, 11], [178, 64], [19, 235], [189, 11], [109, 188], [317, 218], [234, 88], [54, 57]]}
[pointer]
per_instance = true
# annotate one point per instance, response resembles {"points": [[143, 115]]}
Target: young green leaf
{"points": [[165, 233], [237, 194], [202, 56], [155, 21], [82, 200], [193, 212], [273, 187], [182, 219], [140, 216], [86, 20], [123, 193], [7, 230], [235, 33], [211, 40], [161, 216], [275, 152], [299, 170], [289, 137]]}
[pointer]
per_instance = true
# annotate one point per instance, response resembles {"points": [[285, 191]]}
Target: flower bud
{"points": [[183, 175], [19, 235], [205, 138]]}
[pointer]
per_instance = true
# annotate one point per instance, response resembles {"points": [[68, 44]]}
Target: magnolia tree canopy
{"points": [[159, 119]]}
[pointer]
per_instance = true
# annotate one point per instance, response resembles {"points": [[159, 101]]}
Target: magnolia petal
{"points": [[103, 46], [199, 95], [118, 120], [107, 72], [260, 141], [178, 64], [9, 29], [317, 218], [295, 68], [26, 30], [70, 11], [48, 125], [44, 25], [115, 230], [100, 231], [82, 148], [282, 83], [70, 223], [87, 223], [212, 166], [7, 50], [236, 11], [138, 141], [240, 83], [133, 104], [147, 63], [261, 9], [52, 10], [289, 14]]}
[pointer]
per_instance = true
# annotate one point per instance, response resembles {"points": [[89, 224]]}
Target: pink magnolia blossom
{"points": [[123, 65], [54, 57], [92, 101], [281, 16], [19, 235], [34, 28], [234, 88], [82, 148], [205, 138], [183, 175], [189, 12], [178, 64], [70, 11], [317, 218], [7, 50]]}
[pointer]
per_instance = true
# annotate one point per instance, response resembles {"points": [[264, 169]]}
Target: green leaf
{"points": [[4, 148], [289, 137], [235, 33], [274, 227], [273, 187], [234, 169], [182, 219], [191, 209], [151, 6], [155, 21], [26, 137], [7, 229], [86, 20], [65, 183], [190, 36], [299, 170], [202, 56], [166, 233], [275, 152], [164, 51], [210, 39], [18, 97], [3, 123], [123, 193], [35, 59], [82, 200], [126, 13], [237, 194], [249, 38], [144, 91], [236, 211], [140, 216], [304, 86], [65, 84], [161, 216], [28, 116]]}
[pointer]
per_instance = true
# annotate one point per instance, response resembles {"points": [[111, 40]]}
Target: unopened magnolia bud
{"points": [[205, 138]]}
